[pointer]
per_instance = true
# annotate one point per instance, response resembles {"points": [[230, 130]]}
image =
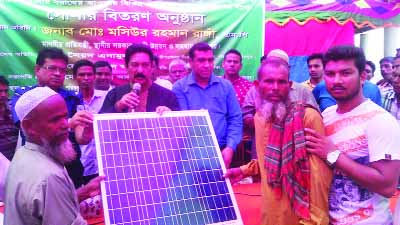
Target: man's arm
{"points": [[180, 95], [234, 120], [234, 126], [109, 102], [249, 109], [59, 204], [173, 103], [89, 190]]}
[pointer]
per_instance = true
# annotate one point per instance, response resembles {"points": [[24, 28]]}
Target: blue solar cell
{"points": [[162, 170]]}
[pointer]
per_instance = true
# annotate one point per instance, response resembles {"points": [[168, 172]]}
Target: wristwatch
{"points": [[332, 157]]}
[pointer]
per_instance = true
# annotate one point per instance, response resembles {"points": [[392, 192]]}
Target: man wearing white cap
{"points": [[298, 93], [38, 188], [294, 184]]}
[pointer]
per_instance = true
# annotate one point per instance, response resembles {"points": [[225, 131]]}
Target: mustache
{"points": [[140, 75], [337, 86]]}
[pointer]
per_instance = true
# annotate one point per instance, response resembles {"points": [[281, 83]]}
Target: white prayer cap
{"points": [[279, 54], [30, 99]]}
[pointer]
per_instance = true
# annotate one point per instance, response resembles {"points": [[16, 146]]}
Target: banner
{"points": [[102, 30], [362, 13]]}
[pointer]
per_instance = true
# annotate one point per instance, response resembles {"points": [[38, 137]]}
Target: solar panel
{"points": [[162, 170]]}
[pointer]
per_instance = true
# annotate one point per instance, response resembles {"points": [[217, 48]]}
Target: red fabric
{"points": [[312, 37], [286, 160], [241, 86]]}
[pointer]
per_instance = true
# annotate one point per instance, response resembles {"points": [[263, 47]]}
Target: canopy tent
{"points": [[304, 27]]}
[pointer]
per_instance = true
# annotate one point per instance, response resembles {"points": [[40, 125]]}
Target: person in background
{"points": [[4, 164], [316, 70], [369, 69], [8, 130], [38, 188], [157, 75], [202, 89], [177, 70], [362, 144], [298, 93], [92, 100], [139, 61], [50, 71], [386, 66], [103, 71], [295, 185], [232, 65]]}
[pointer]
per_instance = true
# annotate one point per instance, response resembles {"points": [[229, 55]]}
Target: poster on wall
{"points": [[102, 30]]}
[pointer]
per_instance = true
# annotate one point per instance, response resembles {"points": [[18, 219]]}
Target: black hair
{"points": [[346, 52], [388, 59], [50, 53], [4, 81], [80, 63], [136, 48], [372, 65], [102, 64], [233, 51], [201, 46], [315, 56], [263, 58]]}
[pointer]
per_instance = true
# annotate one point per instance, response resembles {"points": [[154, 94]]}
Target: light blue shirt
{"points": [[219, 98], [88, 157]]}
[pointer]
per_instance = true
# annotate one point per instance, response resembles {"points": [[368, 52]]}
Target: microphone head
{"points": [[136, 87]]}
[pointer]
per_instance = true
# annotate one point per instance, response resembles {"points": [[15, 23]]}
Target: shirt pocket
{"points": [[217, 105]]}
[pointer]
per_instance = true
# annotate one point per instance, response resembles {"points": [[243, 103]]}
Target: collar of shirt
{"points": [[235, 81], [213, 79], [96, 94]]}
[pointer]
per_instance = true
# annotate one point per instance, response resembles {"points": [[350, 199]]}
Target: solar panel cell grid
{"points": [[162, 170]]}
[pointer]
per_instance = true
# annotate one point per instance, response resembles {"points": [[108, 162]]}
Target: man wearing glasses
{"points": [[50, 70]]}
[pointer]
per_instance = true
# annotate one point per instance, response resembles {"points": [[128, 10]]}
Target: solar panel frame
{"points": [[185, 191]]}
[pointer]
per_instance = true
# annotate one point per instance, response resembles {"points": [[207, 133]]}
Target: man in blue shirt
{"points": [[50, 70], [201, 89]]}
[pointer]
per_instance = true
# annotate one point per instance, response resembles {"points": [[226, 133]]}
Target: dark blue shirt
{"points": [[324, 99], [219, 98]]}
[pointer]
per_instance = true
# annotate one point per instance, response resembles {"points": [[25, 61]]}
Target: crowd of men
{"points": [[327, 150]]}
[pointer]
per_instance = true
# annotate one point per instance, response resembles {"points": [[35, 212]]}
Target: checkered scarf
{"points": [[287, 162]]}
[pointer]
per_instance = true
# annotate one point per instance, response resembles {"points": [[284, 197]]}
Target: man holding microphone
{"points": [[141, 94]]}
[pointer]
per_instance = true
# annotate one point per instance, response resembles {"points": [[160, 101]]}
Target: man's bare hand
{"points": [[318, 144], [234, 174], [81, 118], [227, 154], [91, 189], [128, 101], [161, 109]]}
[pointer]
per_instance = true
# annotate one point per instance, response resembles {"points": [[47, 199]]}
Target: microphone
{"points": [[136, 88]]}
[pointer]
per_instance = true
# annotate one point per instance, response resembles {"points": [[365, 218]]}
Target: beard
{"points": [[271, 111], [63, 152]]}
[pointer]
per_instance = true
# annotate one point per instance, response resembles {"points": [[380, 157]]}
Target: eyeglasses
{"points": [[55, 69]]}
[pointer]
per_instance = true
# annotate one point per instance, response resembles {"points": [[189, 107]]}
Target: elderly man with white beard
{"points": [[294, 183], [38, 188]]}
